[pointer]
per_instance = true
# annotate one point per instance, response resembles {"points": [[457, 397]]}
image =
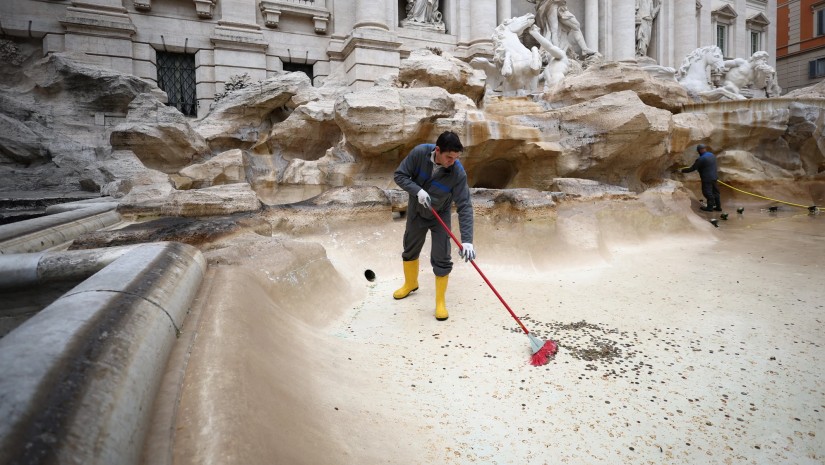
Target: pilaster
{"points": [[370, 14], [370, 54], [770, 35], [239, 43], [371, 50], [482, 23], [503, 11], [591, 24], [685, 30], [741, 36], [102, 29], [624, 30]]}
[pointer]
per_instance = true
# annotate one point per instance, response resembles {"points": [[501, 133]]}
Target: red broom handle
{"points": [[458, 243]]}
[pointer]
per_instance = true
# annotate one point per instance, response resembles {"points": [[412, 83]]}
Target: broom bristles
{"points": [[543, 355]]}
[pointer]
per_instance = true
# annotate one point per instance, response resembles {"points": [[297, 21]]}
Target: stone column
{"points": [[685, 30], [371, 50], [591, 24], [769, 38], [483, 16], [504, 11], [239, 44], [370, 13], [624, 30], [741, 43]]}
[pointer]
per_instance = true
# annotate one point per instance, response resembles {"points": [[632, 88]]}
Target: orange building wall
{"points": [[796, 45], [807, 40], [782, 30], [806, 26]]}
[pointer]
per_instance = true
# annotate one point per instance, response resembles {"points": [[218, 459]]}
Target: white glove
{"points": [[467, 252], [424, 198]]}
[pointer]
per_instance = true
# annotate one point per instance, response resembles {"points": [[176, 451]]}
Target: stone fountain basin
{"points": [[680, 342]]}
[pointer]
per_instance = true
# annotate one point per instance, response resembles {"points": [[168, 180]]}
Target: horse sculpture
{"points": [[699, 67], [515, 67]]}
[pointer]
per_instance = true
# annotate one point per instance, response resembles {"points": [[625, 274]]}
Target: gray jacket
{"points": [[447, 185]]}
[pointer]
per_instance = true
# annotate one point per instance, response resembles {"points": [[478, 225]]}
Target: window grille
{"points": [[176, 77]]}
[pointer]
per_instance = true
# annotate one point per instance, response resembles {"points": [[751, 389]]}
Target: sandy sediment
{"points": [[680, 343]]}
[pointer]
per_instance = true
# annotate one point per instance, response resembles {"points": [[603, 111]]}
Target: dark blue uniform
{"points": [[706, 166], [445, 186]]}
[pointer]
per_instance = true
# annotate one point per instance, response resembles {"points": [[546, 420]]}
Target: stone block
{"points": [[383, 58], [105, 46], [240, 59], [273, 63], [145, 69], [54, 43], [204, 58], [145, 52]]}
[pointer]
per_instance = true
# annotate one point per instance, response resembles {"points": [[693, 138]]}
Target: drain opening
{"points": [[370, 275]]}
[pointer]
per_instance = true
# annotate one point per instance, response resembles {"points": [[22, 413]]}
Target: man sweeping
{"points": [[434, 178]]}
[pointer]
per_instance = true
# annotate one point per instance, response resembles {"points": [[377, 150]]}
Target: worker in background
{"points": [[706, 166]]}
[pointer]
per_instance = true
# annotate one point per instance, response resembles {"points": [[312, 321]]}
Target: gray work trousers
{"points": [[416, 234]]}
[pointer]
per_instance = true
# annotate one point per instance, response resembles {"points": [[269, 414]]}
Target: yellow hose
{"points": [[767, 198], [810, 208]]}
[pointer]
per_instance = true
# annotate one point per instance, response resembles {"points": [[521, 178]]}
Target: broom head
{"points": [[542, 351]]}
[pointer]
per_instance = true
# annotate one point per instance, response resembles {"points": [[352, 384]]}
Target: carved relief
{"points": [[143, 5], [273, 9], [424, 14], [205, 8]]}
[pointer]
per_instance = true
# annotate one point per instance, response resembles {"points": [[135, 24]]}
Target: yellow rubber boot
{"points": [[440, 290], [410, 280]]}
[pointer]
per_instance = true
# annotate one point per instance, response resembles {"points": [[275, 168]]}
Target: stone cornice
{"points": [[237, 36], [725, 13], [273, 9], [98, 21], [758, 21], [367, 38]]}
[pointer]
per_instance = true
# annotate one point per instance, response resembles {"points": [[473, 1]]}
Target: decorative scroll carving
{"points": [[273, 9], [143, 5], [205, 8]]}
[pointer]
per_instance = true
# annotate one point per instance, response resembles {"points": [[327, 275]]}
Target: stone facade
{"points": [[358, 41]]}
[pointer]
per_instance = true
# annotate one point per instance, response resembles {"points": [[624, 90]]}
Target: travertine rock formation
{"points": [[56, 115], [159, 135], [224, 168], [209, 201], [243, 117], [65, 125], [423, 68], [609, 77], [380, 119]]}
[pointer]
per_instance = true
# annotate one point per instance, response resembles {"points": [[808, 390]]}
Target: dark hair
{"points": [[700, 147], [448, 141]]}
